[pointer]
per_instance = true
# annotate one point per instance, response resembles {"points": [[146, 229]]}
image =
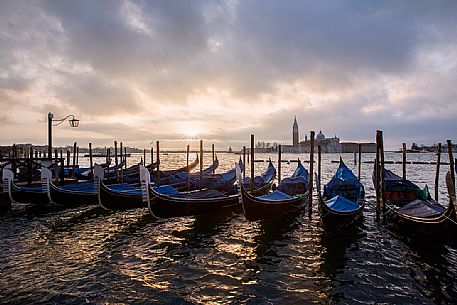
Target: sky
{"points": [[178, 71]]}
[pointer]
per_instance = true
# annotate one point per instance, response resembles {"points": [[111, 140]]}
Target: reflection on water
{"points": [[56, 255]]}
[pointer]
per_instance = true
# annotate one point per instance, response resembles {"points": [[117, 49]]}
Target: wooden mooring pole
{"points": [[158, 163], [187, 167], [383, 191], [244, 162], [212, 150], [279, 164], [378, 175], [116, 161], [251, 185], [437, 174], [319, 165], [360, 162], [201, 164], [91, 162], [451, 162], [74, 159], [311, 174], [404, 161]]}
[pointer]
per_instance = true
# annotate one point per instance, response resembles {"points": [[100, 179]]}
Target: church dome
{"points": [[320, 136]]}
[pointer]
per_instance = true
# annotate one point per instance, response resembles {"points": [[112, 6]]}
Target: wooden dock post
{"points": [[319, 165], [125, 157], [201, 164], [378, 176], [360, 161], [355, 158], [251, 185], [152, 156], [212, 148], [91, 161], [404, 161], [77, 155], [144, 157], [383, 191], [121, 158], [279, 164], [158, 163], [451, 162], [68, 158], [116, 161], [74, 159], [311, 169], [437, 174], [244, 162], [187, 167], [56, 168], [30, 167]]}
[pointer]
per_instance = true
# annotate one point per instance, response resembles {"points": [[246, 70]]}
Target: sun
{"points": [[191, 129]]}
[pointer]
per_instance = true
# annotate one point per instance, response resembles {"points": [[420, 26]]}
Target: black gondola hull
{"points": [[332, 219], [255, 209], [110, 200], [167, 207], [71, 198]]}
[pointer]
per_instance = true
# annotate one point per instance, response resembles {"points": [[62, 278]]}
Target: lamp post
{"points": [[73, 123]]}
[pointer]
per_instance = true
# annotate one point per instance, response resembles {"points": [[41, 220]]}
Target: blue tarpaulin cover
{"points": [[166, 190], [421, 208], [88, 187], [124, 188], [297, 183], [344, 182], [263, 179], [276, 195], [301, 171], [340, 203]]}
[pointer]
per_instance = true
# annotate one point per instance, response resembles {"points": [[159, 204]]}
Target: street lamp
{"points": [[71, 119]]}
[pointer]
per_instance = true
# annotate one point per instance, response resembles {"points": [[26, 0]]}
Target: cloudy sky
{"points": [[140, 71]]}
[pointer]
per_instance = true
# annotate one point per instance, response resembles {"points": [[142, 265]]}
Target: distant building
{"points": [[295, 133], [328, 145]]}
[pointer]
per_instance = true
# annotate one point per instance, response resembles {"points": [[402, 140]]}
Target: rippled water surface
{"points": [[88, 255]]}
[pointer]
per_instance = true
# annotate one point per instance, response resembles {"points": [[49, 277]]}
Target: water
{"points": [[87, 255]]}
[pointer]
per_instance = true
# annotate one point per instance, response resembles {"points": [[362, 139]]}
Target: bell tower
{"points": [[295, 133]]}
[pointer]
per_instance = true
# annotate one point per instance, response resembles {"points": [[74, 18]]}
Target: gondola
{"points": [[166, 202], [72, 195], [278, 203], [421, 214], [120, 196], [264, 182], [343, 200], [123, 196], [399, 191], [31, 193]]}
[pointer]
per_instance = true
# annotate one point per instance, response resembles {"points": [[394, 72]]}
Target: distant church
{"points": [[328, 145]]}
